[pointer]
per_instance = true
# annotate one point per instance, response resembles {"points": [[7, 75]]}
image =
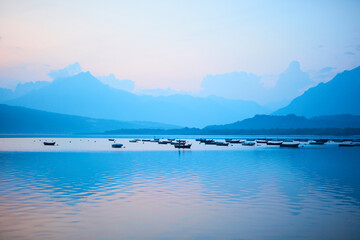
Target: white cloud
{"points": [[70, 70], [112, 81]]}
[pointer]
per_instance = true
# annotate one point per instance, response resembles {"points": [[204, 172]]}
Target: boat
{"points": [[177, 141], [164, 142], [274, 142], [248, 143], [290, 144], [49, 143], [319, 141], [228, 140], [117, 145], [155, 140], [261, 141], [111, 139], [351, 144], [236, 141], [182, 145], [210, 142], [302, 140], [134, 140], [222, 144], [146, 140]]}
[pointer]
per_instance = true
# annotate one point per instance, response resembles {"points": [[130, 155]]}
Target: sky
{"points": [[177, 45]]}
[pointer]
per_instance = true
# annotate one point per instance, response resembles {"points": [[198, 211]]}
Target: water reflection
{"points": [[278, 194]]}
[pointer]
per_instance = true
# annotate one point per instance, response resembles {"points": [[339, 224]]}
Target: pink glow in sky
{"points": [[161, 44]]}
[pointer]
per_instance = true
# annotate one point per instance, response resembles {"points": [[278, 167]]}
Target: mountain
{"points": [[338, 96], [84, 95], [20, 90], [20, 120], [293, 121]]}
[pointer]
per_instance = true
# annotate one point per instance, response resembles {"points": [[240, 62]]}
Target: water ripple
{"points": [[276, 194]]}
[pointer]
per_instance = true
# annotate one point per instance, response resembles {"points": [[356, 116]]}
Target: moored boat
{"points": [[248, 143], [351, 144], [317, 142], [117, 145], [210, 142], [290, 144], [182, 145], [49, 143], [261, 141], [274, 142], [222, 144]]}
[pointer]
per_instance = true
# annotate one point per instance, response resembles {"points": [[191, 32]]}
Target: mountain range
{"points": [[20, 120], [341, 95], [293, 121], [86, 96]]}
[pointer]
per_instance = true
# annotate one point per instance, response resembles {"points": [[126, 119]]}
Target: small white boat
{"points": [[274, 142], [290, 144], [248, 143], [351, 144]]}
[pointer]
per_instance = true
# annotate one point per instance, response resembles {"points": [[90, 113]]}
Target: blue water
{"points": [[261, 194]]}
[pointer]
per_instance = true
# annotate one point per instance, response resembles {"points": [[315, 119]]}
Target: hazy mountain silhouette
{"points": [[24, 120], [20, 90], [293, 121], [338, 96], [84, 95]]}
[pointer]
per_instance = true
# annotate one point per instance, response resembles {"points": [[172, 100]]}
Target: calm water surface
{"points": [[260, 194]]}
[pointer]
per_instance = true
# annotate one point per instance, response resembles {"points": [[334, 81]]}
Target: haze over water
{"points": [[262, 194]]}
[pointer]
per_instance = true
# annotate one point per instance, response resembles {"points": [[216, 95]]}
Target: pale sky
{"points": [[161, 44]]}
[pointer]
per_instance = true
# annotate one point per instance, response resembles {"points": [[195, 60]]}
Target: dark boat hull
{"points": [[117, 145], [49, 143], [182, 146], [317, 143], [290, 145], [274, 143], [349, 145]]}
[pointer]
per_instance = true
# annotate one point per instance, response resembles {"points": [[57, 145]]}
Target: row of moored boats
{"points": [[179, 143]]}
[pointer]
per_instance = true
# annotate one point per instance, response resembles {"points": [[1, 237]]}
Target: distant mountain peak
{"points": [[338, 96]]}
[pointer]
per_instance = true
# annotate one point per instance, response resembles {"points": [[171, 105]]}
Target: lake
{"points": [[257, 193]]}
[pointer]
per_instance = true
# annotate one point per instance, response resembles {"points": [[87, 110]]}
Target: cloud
{"points": [[11, 76], [292, 82], [112, 81], [156, 92], [247, 86], [68, 71], [349, 53], [324, 74], [326, 70], [235, 85]]}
